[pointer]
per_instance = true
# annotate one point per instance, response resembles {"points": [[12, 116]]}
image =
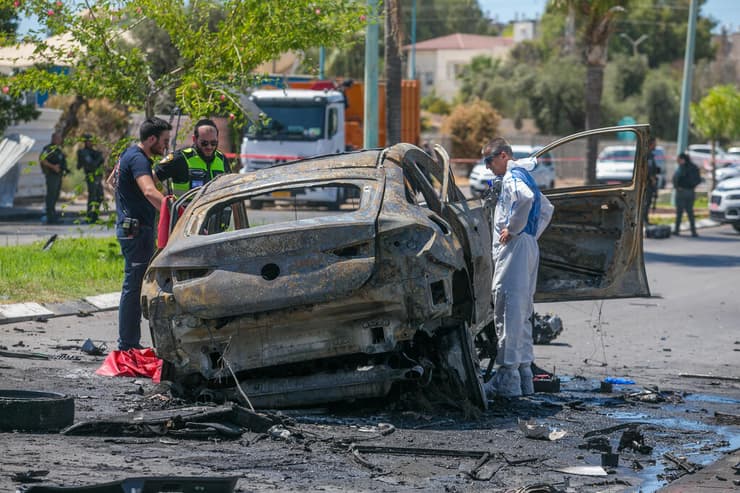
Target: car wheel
{"points": [[29, 410], [457, 354], [736, 226]]}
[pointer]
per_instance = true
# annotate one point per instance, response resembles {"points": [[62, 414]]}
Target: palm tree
{"points": [[596, 19], [392, 72]]}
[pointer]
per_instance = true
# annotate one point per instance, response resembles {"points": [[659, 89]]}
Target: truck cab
{"points": [[298, 123]]}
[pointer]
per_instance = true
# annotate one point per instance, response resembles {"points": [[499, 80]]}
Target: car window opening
{"points": [[288, 204]]}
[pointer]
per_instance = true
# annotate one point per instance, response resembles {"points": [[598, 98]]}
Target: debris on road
{"points": [[157, 483], [635, 440], [583, 470], [545, 328], [682, 463], [197, 422], [537, 431], [710, 377]]}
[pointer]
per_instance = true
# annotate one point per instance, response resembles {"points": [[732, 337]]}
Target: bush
{"points": [[434, 104], [470, 126]]}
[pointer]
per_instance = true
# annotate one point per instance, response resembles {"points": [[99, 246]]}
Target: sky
{"points": [[725, 11]]}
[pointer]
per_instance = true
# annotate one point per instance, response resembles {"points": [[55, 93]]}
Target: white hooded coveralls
{"points": [[515, 279]]}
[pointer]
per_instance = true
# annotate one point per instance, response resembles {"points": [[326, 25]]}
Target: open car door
{"points": [[592, 248]]}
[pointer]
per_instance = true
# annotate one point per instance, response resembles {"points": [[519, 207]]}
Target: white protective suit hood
{"points": [[528, 163]]}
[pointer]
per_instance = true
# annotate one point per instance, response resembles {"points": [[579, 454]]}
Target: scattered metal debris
{"points": [[600, 443], [89, 347], [198, 422], [536, 488], [725, 418], [162, 483], [710, 377], [29, 476], [545, 328], [680, 462], [583, 470], [654, 395], [609, 460], [634, 439], [23, 355], [532, 429]]}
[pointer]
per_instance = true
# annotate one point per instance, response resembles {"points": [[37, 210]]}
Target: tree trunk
{"points": [[70, 118], [393, 72], [594, 88]]}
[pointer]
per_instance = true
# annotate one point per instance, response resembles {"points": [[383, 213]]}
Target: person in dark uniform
{"points": [[90, 160], [652, 183], [137, 203], [685, 180], [196, 165], [54, 165]]}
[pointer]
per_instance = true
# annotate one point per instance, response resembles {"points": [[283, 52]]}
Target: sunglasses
{"points": [[207, 143], [489, 159]]}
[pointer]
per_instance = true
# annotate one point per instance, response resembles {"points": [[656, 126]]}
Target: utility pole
{"points": [[322, 62], [370, 120], [688, 65]]}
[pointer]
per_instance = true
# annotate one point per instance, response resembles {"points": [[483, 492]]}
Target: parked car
{"points": [[615, 164], [543, 173], [701, 155], [730, 171], [393, 290], [724, 202]]}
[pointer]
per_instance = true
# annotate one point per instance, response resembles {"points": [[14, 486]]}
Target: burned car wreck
{"points": [[324, 305], [304, 305]]}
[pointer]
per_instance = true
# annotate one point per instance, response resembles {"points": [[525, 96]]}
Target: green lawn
{"points": [[71, 269]]}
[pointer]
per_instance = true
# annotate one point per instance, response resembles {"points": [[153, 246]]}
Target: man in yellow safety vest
{"points": [[194, 166]]}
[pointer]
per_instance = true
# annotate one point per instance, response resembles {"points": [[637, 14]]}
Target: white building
{"points": [[440, 60]]}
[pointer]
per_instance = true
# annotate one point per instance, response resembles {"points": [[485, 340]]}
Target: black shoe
{"points": [[694, 234]]}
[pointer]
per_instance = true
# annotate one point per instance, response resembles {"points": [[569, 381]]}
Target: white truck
{"points": [[298, 123]]}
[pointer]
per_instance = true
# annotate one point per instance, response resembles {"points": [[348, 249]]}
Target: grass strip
{"points": [[71, 268]]}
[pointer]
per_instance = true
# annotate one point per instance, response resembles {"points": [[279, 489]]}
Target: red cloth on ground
{"points": [[132, 363]]}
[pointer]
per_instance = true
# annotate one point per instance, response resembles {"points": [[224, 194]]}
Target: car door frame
{"points": [[577, 231]]}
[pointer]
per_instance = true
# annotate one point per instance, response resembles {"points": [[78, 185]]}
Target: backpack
{"points": [[693, 177]]}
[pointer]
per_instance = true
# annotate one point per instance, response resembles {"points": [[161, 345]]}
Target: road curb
{"points": [[21, 312]]}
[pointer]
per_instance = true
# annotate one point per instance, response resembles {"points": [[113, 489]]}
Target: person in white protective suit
{"points": [[522, 214]]}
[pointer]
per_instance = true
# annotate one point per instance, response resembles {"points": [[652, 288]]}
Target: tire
{"points": [[458, 355], [27, 410], [736, 226]]}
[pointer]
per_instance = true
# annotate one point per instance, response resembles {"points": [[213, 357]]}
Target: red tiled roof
{"points": [[460, 41]]}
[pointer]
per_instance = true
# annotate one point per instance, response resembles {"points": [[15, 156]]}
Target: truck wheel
{"points": [[29, 410]]}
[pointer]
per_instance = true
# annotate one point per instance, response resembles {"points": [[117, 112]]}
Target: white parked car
{"points": [[701, 155], [730, 171], [615, 164], [543, 173], [724, 202]]}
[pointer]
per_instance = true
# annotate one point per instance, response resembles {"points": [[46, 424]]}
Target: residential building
{"points": [[439, 61]]}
